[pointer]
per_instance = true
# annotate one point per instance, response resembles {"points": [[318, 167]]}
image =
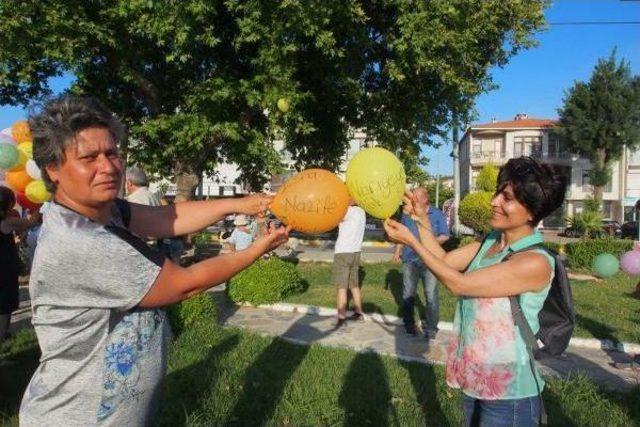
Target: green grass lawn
{"points": [[230, 377], [604, 309]]}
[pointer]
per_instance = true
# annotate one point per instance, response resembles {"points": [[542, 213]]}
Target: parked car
{"points": [[629, 230], [609, 228]]}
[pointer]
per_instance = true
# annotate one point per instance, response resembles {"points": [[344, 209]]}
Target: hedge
{"points": [[265, 282]]}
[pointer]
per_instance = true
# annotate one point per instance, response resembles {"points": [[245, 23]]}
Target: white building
{"points": [[356, 143], [224, 182], [497, 142]]}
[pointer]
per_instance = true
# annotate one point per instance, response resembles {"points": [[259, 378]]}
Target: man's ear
{"points": [[53, 172]]}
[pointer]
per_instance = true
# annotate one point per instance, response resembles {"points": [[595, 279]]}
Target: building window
{"points": [[474, 177], [634, 158], [488, 147], [555, 146], [606, 209], [527, 146]]}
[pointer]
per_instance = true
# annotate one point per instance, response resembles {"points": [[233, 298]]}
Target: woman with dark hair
{"points": [[97, 290], [10, 223], [488, 358]]}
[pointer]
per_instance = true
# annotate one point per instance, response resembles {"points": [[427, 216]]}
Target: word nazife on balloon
{"points": [[326, 205], [313, 201]]}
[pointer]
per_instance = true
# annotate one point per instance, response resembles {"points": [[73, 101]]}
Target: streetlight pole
{"points": [[456, 173], [637, 206], [438, 178]]}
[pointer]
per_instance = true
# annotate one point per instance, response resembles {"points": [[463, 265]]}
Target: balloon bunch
{"points": [[316, 200], [18, 171]]}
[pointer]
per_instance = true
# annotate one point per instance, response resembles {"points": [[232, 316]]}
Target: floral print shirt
{"points": [[103, 357]]}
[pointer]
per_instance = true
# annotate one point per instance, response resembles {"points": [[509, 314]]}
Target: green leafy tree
{"points": [[475, 211], [445, 192], [601, 116], [198, 81], [487, 178]]}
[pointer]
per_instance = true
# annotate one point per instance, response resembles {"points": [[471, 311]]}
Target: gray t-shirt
{"points": [[102, 358]]}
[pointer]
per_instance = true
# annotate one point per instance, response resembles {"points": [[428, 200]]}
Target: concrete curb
{"points": [[389, 319]]}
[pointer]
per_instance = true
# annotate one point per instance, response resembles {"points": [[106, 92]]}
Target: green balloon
{"points": [[605, 265], [8, 156]]}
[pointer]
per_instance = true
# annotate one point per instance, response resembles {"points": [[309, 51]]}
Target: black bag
{"points": [[557, 317]]}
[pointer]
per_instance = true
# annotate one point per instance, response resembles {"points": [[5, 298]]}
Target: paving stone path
{"points": [[389, 338]]}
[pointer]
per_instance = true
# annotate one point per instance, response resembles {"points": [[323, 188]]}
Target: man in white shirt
{"points": [[137, 188], [346, 261]]}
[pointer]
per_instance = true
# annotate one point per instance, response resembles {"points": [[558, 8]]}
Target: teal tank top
{"points": [[487, 358]]}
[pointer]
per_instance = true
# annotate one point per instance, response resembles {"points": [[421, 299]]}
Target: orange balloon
{"points": [[313, 201], [17, 180], [21, 132]]}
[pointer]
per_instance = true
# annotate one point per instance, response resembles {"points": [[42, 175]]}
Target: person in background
{"points": [[10, 223], [346, 262], [414, 270], [172, 247], [488, 358], [137, 186], [97, 291], [241, 236]]}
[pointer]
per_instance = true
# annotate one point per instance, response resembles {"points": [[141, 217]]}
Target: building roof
{"points": [[521, 121], [517, 124]]}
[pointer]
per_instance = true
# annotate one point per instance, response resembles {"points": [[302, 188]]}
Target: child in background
{"points": [[241, 236]]}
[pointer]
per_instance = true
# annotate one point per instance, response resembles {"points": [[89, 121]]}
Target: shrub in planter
{"points": [[266, 281], [475, 211], [200, 309]]}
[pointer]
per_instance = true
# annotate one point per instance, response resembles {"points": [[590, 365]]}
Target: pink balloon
{"points": [[7, 139], [630, 262]]}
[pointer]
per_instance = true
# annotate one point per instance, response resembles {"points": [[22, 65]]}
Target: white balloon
{"points": [[32, 169], [7, 131]]}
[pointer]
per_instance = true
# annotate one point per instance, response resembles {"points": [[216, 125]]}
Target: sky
{"points": [[534, 81]]}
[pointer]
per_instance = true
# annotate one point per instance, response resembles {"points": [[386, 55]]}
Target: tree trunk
{"points": [[186, 183], [600, 166]]}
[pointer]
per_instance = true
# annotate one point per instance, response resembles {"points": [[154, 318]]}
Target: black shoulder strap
{"points": [[516, 309], [531, 342], [125, 211]]}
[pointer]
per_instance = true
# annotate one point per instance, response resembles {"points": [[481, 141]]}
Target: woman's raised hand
{"points": [[273, 237], [399, 233], [255, 204]]}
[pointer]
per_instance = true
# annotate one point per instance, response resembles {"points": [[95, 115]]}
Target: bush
{"points": [[580, 254], [589, 222], [266, 281], [475, 211], [487, 179], [197, 310], [202, 238], [591, 205], [456, 242]]}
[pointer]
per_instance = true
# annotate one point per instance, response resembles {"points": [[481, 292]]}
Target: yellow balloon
{"points": [[26, 148], [376, 180], [36, 192]]}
